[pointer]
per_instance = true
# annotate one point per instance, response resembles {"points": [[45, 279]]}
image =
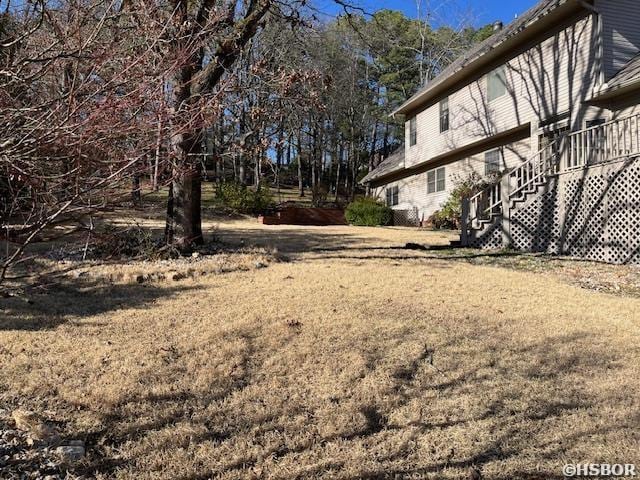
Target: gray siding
{"points": [[620, 33]]}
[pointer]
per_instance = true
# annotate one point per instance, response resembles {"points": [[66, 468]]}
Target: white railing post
{"points": [[473, 212]]}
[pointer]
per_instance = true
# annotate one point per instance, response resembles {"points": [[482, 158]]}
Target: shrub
{"points": [[368, 212], [450, 213], [243, 199]]}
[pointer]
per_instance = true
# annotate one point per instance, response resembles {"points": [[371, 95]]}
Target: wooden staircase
{"points": [[485, 216]]}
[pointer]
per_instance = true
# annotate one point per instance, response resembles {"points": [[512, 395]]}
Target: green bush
{"points": [[368, 212], [450, 213], [243, 199]]}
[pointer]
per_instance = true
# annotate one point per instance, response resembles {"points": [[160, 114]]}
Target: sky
{"points": [[483, 11]]}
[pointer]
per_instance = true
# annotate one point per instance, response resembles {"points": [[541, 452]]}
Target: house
{"points": [[549, 105]]}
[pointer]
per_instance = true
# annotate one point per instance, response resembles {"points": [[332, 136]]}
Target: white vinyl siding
{"points": [[413, 189], [620, 33]]}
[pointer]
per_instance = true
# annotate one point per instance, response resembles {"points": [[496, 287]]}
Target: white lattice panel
{"points": [[535, 226], [406, 218], [594, 214], [488, 238]]}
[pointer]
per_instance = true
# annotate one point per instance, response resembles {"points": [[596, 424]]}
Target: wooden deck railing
{"points": [[603, 143]]}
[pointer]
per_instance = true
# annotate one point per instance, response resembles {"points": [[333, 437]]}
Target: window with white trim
{"points": [[444, 115], [492, 162], [435, 180], [496, 83], [413, 131], [392, 194]]}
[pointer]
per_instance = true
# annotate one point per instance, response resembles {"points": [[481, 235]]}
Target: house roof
{"points": [[625, 81], [393, 163], [514, 29], [630, 73], [626, 78]]}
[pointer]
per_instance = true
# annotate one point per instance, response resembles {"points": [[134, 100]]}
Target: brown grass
{"points": [[355, 359]]}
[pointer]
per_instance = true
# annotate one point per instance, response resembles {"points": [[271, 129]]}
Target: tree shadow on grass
{"points": [[73, 300], [223, 425]]}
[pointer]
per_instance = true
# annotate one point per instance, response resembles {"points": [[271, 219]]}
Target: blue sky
{"points": [[483, 11]]}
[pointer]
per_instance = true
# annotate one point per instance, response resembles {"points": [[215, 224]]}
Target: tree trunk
{"points": [[300, 181], [136, 194], [374, 140], [184, 221], [158, 152], [339, 163]]}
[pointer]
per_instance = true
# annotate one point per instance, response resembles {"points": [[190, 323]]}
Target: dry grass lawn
{"points": [[353, 359]]}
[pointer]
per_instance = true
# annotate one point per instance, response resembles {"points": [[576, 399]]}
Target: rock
{"points": [[140, 279], [71, 453], [195, 254], [261, 265], [176, 277]]}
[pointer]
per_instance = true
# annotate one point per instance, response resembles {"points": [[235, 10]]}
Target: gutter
{"points": [[605, 92]]}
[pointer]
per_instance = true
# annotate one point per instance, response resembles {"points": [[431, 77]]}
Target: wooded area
{"points": [[99, 97]]}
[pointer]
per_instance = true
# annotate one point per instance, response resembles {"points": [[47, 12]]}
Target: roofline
{"points": [[499, 139], [606, 92], [533, 27]]}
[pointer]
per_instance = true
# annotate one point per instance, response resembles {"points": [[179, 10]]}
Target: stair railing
{"points": [[547, 161], [488, 202], [484, 204]]}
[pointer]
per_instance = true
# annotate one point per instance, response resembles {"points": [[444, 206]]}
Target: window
{"points": [[444, 115], [496, 83], [492, 162], [596, 123], [435, 180], [413, 132], [392, 196]]}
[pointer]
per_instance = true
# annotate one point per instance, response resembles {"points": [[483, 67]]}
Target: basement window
{"points": [[392, 196], [496, 83], [435, 180], [413, 131]]}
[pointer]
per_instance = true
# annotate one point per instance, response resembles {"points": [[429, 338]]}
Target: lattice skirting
{"points": [[406, 218], [489, 238], [594, 214]]}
